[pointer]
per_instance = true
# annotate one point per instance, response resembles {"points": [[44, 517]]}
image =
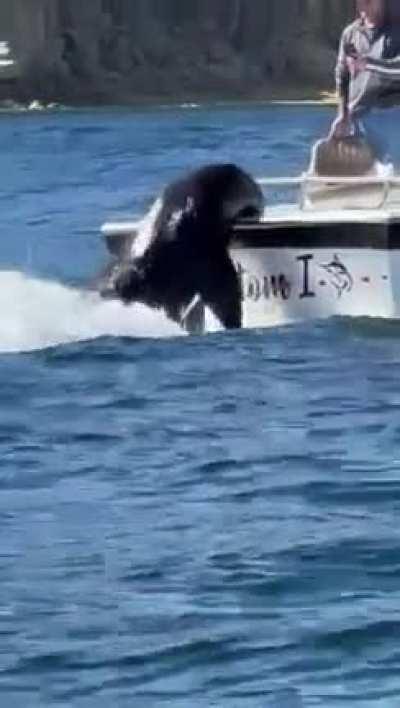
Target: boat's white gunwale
{"points": [[294, 214], [291, 219]]}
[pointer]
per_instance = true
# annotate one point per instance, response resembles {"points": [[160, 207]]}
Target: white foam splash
{"points": [[212, 323], [190, 106], [36, 314]]}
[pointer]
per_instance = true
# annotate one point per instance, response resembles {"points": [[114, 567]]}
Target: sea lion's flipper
{"points": [[220, 290], [193, 317]]}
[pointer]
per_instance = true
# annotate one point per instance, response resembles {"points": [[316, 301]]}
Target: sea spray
{"points": [[35, 314]]}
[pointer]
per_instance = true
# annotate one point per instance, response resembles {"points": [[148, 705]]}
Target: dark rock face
{"points": [[127, 50]]}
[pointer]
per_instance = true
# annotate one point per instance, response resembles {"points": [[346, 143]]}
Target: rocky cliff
{"points": [[133, 50]]}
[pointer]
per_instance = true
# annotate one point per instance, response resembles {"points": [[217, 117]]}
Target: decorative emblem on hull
{"points": [[339, 277]]}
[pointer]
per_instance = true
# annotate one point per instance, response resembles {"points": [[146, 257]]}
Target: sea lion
{"points": [[181, 256]]}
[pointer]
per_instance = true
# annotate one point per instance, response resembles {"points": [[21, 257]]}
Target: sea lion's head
{"points": [[129, 283]]}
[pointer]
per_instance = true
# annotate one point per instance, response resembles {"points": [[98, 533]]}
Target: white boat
{"points": [[333, 251]]}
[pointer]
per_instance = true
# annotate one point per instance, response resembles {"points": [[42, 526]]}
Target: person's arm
{"points": [[341, 124], [384, 67]]}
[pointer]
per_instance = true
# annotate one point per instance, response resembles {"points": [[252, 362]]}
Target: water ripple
{"points": [[197, 522]]}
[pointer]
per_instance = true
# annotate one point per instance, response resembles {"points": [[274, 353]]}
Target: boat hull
{"points": [[298, 263], [283, 285]]}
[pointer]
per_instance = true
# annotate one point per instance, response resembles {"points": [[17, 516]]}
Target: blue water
{"points": [[186, 522]]}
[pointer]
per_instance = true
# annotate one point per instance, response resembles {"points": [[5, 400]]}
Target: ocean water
{"points": [[184, 522]]}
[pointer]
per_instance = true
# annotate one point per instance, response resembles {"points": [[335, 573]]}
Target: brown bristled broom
{"points": [[350, 156], [345, 156]]}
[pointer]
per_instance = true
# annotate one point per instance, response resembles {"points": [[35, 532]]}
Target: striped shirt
{"points": [[379, 85]]}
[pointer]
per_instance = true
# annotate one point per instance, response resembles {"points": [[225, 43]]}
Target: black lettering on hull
{"points": [[306, 260], [255, 288]]}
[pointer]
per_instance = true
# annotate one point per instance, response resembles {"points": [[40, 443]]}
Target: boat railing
{"points": [[315, 193], [314, 190]]}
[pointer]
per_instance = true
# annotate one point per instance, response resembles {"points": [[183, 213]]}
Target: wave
{"points": [[36, 314]]}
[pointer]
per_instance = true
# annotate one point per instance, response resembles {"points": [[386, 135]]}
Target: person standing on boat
{"points": [[368, 73]]}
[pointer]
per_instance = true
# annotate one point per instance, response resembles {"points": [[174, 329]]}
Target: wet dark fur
{"points": [[188, 251]]}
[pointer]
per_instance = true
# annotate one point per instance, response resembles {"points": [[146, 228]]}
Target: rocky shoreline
{"points": [[11, 105], [140, 52]]}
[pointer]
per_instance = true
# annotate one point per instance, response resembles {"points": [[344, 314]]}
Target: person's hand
{"points": [[356, 64], [341, 126], [350, 50]]}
